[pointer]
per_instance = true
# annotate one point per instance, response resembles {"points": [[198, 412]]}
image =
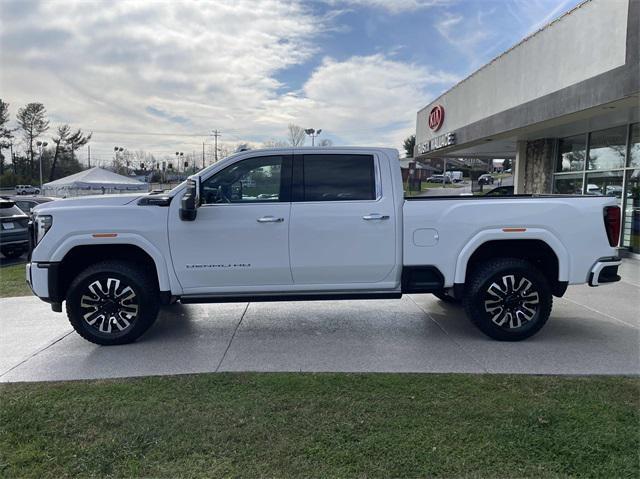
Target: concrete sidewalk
{"points": [[591, 331]]}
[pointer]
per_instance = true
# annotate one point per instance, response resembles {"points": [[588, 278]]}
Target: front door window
{"points": [[248, 181]]}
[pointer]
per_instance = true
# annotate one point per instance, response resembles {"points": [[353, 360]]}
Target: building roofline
{"points": [[525, 39]]}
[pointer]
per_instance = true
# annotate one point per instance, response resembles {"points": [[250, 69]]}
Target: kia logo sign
{"points": [[436, 117]]}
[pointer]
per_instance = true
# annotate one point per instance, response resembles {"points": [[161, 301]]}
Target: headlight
{"points": [[43, 223]]}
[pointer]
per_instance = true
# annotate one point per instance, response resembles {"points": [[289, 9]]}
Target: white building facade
{"points": [[563, 104]]}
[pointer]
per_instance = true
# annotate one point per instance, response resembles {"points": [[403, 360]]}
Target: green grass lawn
{"points": [[322, 425], [12, 281]]}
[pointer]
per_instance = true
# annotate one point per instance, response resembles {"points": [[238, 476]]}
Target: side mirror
{"points": [[190, 200]]}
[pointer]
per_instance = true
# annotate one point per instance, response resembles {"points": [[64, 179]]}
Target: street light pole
{"points": [[313, 133]]}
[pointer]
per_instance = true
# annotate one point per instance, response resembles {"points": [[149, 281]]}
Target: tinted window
{"points": [[247, 181], [9, 209], [338, 178], [24, 206]]}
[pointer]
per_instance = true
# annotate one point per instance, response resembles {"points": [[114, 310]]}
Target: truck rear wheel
{"points": [[112, 302], [508, 299]]}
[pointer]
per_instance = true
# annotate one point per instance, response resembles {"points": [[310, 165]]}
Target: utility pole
{"points": [[89, 155], [202, 155], [216, 134]]}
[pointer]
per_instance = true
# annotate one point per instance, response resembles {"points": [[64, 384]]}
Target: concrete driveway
{"points": [[591, 331]]}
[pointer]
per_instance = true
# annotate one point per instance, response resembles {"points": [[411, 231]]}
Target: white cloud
{"points": [[366, 99], [466, 34], [126, 69]]}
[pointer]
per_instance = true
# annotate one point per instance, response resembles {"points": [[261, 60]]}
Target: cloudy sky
{"points": [[160, 75]]}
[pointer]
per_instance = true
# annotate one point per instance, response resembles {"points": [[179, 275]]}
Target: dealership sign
{"points": [[441, 141], [436, 117]]}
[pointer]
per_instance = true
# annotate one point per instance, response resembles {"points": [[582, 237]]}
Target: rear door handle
{"points": [[375, 216], [270, 219]]}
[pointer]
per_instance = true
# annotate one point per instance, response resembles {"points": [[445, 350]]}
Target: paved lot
{"points": [[592, 331]]}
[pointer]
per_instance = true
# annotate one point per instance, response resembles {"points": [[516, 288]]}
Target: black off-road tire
{"points": [[112, 311], [489, 299], [446, 298]]}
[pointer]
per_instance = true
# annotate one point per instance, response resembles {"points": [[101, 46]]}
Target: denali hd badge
{"points": [[225, 266]]}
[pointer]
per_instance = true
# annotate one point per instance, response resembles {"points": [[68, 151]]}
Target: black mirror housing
{"points": [[191, 200]]}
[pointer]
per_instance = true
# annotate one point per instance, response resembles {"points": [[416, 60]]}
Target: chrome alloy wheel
{"points": [[511, 302], [109, 306]]}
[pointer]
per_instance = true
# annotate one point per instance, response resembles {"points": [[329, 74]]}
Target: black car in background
{"points": [[28, 203], [501, 191], [14, 235], [485, 179]]}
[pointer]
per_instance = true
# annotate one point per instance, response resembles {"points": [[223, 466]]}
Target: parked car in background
{"points": [[593, 189], [501, 191], [456, 176], [28, 203], [439, 179], [485, 179], [27, 190], [14, 236]]}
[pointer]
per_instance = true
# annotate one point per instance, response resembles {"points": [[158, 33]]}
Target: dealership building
{"points": [[563, 104]]}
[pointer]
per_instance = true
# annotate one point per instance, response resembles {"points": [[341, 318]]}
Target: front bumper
{"points": [[605, 271], [42, 278]]}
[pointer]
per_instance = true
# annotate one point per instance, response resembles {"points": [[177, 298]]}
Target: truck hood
{"points": [[90, 201]]}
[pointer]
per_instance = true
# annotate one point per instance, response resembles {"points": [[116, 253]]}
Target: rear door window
{"points": [[338, 178], [9, 209]]}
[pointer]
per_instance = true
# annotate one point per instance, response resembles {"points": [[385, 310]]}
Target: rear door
{"points": [[343, 224]]}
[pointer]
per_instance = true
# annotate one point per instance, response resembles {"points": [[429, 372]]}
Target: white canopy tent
{"points": [[94, 181]]}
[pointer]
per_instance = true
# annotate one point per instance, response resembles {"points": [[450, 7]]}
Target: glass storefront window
{"points": [[634, 146], [571, 153], [631, 224], [568, 184], [607, 183], [607, 149]]}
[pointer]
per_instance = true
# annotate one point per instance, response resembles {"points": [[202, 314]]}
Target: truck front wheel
{"points": [[508, 299], [112, 302]]}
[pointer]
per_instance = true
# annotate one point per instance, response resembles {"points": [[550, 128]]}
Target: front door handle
{"points": [[270, 219], [375, 216]]}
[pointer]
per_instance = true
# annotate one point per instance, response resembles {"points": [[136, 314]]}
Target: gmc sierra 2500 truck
{"points": [[315, 223]]}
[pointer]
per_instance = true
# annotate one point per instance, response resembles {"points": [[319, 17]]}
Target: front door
{"points": [[240, 235]]}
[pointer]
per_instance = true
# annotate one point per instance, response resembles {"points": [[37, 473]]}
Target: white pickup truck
{"points": [[315, 223]]}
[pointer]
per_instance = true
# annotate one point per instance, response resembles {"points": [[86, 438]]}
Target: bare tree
{"points": [[33, 122], [325, 143], [272, 143], [296, 136], [60, 141], [6, 134]]}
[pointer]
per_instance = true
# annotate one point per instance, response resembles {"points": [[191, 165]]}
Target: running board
{"points": [[287, 297]]}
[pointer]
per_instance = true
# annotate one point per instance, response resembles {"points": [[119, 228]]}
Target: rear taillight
{"points": [[612, 224]]}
